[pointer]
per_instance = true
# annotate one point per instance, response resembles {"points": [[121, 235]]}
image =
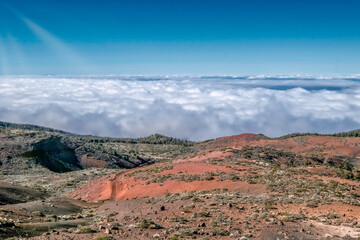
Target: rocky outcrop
{"points": [[61, 154], [53, 154]]}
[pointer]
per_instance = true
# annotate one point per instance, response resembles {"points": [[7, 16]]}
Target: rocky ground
{"points": [[240, 187]]}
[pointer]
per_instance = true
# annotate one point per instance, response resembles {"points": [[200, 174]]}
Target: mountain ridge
{"points": [[351, 133]]}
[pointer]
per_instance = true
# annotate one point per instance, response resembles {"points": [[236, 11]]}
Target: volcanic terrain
{"points": [[57, 185]]}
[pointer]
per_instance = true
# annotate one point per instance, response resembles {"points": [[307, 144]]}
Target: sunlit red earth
{"points": [[210, 193]]}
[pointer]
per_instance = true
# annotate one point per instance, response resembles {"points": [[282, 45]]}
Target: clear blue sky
{"points": [[179, 37]]}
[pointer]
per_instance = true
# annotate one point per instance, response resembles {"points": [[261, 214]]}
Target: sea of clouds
{"points": [[188, 107]]}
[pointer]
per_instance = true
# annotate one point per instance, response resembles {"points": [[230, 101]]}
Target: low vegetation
{"points": [[295, 187]]}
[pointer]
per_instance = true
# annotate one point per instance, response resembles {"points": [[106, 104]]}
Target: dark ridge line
{"points": [[152, 139], [353, 133], [163, 139], [31, 127]]}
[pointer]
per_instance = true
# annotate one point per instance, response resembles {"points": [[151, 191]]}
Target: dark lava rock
{"points": [[53, 154]]}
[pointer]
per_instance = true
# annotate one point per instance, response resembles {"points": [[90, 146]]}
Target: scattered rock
{"points": [[156, 235]]}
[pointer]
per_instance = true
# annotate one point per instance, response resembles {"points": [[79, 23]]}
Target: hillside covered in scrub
{"points": [[57, 185], [62, 152]]}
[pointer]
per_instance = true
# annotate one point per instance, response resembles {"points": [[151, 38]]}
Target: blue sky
{"points": [[286, 49], [179, 37]]}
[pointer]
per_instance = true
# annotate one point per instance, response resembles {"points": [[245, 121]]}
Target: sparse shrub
{"points": [[269, 205], [187, 210], [312, 204], [204, 214], [357, 175], [220, 232], [173, 237], [51, 218], [6, 222], [104, 238], [148, 224], [332, 216], [185, 232], [234, 177], [38, 214], [355, 195], [290, 217], [85, 229], [196, 199], [209, 177], [113, 214], [178, 219]]}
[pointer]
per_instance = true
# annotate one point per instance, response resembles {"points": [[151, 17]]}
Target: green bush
{"points": [[220, 232], [85, 229], [148, 224], [104, 238], [204, 214]]}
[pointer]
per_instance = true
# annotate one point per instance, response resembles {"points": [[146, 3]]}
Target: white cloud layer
{"points": [[194, 108]]}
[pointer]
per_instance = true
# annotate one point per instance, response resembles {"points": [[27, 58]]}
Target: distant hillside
{"points": [[23, 145], [155, 138], [29, 127], [152, 139], [354, 133], [60, 151]]}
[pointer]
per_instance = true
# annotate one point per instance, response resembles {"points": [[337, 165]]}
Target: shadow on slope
{"points": [[11, 194], [54, 155]]}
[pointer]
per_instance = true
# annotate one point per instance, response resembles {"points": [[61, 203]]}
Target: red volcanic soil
{"points": [[204, 156], [194, 167], [332, 146], [124, 186], [127, 185], [120, 187], [128, 188], [216, 165]]}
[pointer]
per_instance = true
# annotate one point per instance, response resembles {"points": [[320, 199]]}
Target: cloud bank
{"points": [[195, 108]]}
